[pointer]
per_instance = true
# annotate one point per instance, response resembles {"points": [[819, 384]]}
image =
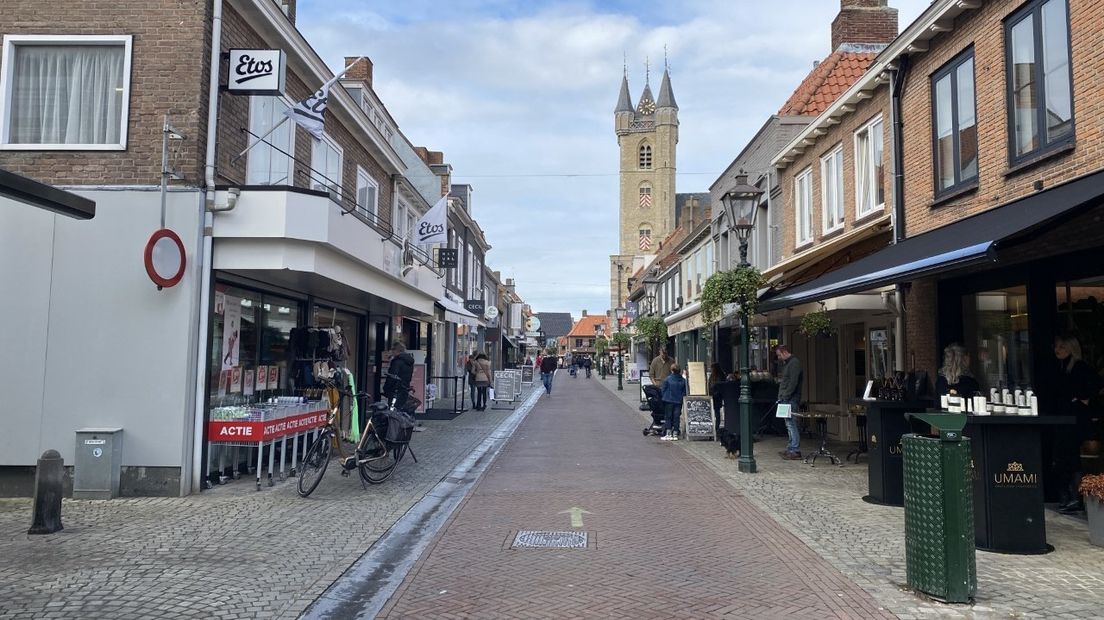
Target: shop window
{"points": [[349, 324], [1081, 313], [955, 125], [367, 191], [269, 163], [66, 92], [869, 169], [996, 336], [326, 166], [250, 330], [1040, 93]]}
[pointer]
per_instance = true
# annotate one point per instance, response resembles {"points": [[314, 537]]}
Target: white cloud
{"points": [[513, 92]]}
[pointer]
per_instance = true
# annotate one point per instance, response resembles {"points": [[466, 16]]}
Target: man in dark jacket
{"points": [[402, 367], [789, 392], [548, 367]]}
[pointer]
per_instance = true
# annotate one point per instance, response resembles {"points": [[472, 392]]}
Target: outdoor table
{"points": [[820, 418], [1008, 481], [885, 423]]}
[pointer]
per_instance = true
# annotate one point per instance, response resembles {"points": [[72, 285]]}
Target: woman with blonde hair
{"points": [[1076, 383], [954, 376]]}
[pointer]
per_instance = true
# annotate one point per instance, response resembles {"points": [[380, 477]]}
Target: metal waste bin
{"points": [[939, 510], [98, 463]]}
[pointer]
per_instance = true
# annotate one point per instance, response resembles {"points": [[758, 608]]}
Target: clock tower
{"points": [[647, 135]]}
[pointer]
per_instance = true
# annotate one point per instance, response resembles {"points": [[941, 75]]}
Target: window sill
{"points": [[1039, 158], [63, 147], [953, 194], [805, 245], [835, 232], [871, 215]]}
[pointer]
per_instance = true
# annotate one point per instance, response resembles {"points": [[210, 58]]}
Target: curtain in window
{"points": [[267, 165], [67, 94]]}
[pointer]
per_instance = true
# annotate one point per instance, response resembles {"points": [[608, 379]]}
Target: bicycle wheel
{"points": [[315, 463], [379, 461]]}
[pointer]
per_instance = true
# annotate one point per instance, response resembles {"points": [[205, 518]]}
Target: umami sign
{"points": [[256, 72]]}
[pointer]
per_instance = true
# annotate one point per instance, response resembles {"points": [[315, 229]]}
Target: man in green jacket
{"points": [[660, 367], [789, 392]]}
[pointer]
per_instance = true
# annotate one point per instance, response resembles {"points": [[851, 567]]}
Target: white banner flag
{"points": [[433, 227], [310, 113]]}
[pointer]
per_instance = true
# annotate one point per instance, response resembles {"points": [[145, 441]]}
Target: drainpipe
{"points": [[897, 87], [204, 264]]}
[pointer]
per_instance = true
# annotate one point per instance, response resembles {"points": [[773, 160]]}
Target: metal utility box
{"points": [[99, 461], [939, 511]]}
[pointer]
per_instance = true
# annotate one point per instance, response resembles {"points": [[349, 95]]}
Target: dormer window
{"points": [[645, 157]]}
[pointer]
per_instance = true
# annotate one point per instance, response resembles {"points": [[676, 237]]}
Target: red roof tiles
{"points": [[826, 82]]}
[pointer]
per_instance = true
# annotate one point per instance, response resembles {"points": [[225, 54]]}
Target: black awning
{"points": [[44, 196], [967, 242]]}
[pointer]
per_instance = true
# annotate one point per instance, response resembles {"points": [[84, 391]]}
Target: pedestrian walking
{"points": [[401, 370], [482, 380], [660, 367], [674, 390], [789, 393], [548, 367], [586, 365], [469, 376]]}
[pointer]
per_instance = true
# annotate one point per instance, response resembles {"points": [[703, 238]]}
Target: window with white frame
{"points": [[367, 194], [268, 162], [399, 220], [65, 92], [831, 189], [803, 207], [326, 166], [869, 169]]}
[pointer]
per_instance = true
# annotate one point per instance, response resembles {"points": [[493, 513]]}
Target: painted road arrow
{"points": [[576, 515]]}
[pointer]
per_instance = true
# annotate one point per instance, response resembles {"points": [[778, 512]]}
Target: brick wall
{"points": [[997, 185], [169, 37], [921, 342], [840, 134], [864, 21]]}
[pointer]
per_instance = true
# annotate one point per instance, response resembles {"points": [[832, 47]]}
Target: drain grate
{"points": [[531, 539]]}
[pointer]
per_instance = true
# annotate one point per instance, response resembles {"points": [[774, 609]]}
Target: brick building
{"points": [[295, 234]]}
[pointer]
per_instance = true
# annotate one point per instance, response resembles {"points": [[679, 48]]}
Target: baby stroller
{"points": [[653, 399]]}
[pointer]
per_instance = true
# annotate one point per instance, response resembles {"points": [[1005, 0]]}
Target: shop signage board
{"points": [[503, 386], [475, 306], [697, 416], [248, 431], [256, 72], [447, 258], [696, 378], [526, 375], [515, 376]]}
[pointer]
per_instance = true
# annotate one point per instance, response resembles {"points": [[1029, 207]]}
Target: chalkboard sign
{"points": [[515, 375], [503, 386], [527, 374], [697, 416]]}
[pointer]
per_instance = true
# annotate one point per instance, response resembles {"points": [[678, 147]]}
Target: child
{"points": [[674, 389]]}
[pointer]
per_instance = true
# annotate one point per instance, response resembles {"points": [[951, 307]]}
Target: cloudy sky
{"points": [[519, 95]]}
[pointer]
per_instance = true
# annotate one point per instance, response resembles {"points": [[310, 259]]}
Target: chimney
{"points": [[864, 21], [422, 152], [436, 157], [362, 71], [288, 7], [584, 314], [689, 210]]}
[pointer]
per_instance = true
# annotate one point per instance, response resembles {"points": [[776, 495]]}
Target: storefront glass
{"points": [[250, 330], [1081, 313], [995, 330], [349, 324]]}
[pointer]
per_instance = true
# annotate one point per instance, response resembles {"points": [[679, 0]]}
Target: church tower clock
{"points": [[647, 135]]}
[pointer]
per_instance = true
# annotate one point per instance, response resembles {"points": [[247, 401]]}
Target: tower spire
{"points": [[647, 72], [666, 94]]}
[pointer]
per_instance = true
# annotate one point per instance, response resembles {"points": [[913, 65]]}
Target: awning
{"points": [[509, 341], [455, 313], [967, 242], [685, 320]]}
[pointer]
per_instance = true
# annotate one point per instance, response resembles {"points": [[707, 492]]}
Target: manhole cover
{"points": [[550, 540]]}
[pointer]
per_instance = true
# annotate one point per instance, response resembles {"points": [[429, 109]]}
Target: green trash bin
{"points": [[939, 510]]}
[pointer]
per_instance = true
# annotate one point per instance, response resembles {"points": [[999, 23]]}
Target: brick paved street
{"points": [[229, 553], [668, 537], [821, 505]]}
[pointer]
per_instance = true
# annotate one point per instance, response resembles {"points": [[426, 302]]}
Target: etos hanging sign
{"points": [[256, 72]]}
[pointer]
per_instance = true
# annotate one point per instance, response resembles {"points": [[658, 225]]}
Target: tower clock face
{"points": [[647, 106]]}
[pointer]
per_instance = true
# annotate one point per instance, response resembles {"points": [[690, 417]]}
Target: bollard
{"points": [[49, 478]]}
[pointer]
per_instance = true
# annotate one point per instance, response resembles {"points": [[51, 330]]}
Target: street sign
{"points": [[475, 306], [447, 258], [256, 72]]}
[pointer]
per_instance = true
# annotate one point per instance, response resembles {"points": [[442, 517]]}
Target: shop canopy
{"points": [[971, 241], [44, 196], [455, 313]]}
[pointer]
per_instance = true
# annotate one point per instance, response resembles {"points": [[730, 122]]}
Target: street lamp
{"points": [[741, 203], [619, 313], [651, 283]]}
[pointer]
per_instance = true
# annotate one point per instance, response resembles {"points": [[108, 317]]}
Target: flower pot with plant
{"points": [[1092, 487], [817, 323]]}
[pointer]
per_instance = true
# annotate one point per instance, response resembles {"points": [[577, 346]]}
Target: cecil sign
{"points": [[256, 72]]}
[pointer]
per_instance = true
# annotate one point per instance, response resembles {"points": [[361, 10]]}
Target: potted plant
{"points": [[1092, 487], [817, 323], [735, 286]]}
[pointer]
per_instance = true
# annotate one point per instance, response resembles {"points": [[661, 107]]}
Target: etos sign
{"points": [[256, 72]]}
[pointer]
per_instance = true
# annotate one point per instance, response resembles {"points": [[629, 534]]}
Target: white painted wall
{"points": [[87, 339]]}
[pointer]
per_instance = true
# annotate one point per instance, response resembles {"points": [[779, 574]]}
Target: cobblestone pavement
{"points": [[232, 552], [667, 537], [821, 505]]}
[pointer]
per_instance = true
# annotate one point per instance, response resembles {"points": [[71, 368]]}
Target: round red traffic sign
{"points": [[165, 259]]}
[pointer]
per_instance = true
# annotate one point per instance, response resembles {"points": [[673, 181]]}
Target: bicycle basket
{"points": [[400, 426]]}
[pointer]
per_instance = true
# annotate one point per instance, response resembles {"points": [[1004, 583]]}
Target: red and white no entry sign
{"points": [[164, 258]]}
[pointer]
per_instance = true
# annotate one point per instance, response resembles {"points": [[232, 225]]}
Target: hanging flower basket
{"points": [[817, 324], [739, 286]]}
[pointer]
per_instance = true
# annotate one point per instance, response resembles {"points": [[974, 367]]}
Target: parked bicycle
{"points": [[385, 441]]}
